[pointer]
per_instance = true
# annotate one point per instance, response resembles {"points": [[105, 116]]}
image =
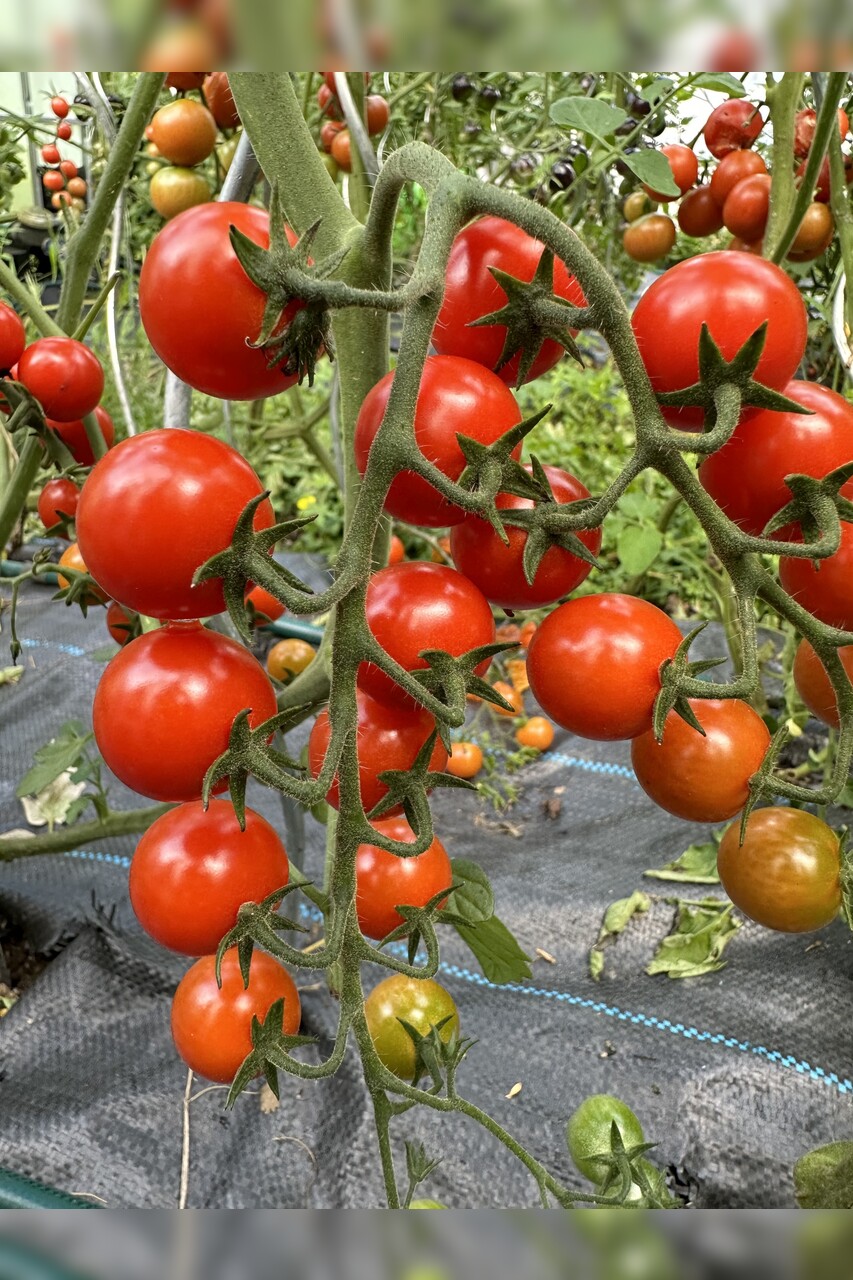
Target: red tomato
{"points": [[498, 570], [684, 166], [73, 436], [733, 294], [747, 476], [64, 375], [396, 550], [747, 207], [264, 603], [822, 187], [456, 397], [185, 80], [184, 131], [698, 214], [212, 1026], [732, 125], [58, 497], [50, 153], [181, 493], [733, 169], [59, 107], [329, 79], [220, 100], [386, 738], [384, 882], [52, 181], [416, 606], [341, 150], [201, 333], [824, 587], [330, 108], [68, 169], [165, 705], [804, 130], [122, 623], [328, 132], [813, 684], [471, 291], [193, 870], [378, 113], [703, 779], [63, 131], [786, 874], [593, 664], [13, 338]]}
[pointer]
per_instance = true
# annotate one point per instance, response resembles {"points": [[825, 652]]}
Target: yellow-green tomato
{"points": [[588, 1133], [175, 189], [420, 1002]]}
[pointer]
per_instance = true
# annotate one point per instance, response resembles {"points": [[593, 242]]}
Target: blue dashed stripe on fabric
{"points": [[842, 1084], [73, 649]]}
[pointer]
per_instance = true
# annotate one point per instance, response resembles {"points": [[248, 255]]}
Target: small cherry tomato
{"points": [[288, 657], [822, 586], [396, 550], [747, 207], [466, 760], [328, 132], [327, 101], [59, 107], [732, 125], [73, 436], [536, 732], [50, 153], [212, 1026], [378, 113], [63, 131], [220, 100], [384, 881], [72, 559], [649, 238], [63, 375], [813, 683], [699, 214], [174, 189], [636, 204], [69, 169], [53, 181], [420, 1002], [58, 498], [804, 130], [814, 233], [341, 150], [184, 131], [786, 874], [685, 170], [264, 604], [511, 695], [77, 187], [588, 1133]]}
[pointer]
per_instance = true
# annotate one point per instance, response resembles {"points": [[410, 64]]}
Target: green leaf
{"points": [[696, 943], [54, 758], [698, 864], [496, 951], [638, 547], [653, 168], [616, 918], [720, 82], [589, 115], [472, 899], [823, 1178], [104, 654], [658, 89]]}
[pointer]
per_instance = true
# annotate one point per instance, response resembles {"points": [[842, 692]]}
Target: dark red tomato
{"points": [[420, 1002], [732, 125], [822, 188], [824, 587], [733, 293], [199, 308], [786, 874], [804, 130], [193, 870], [184, 131], [122, 624], [59, 107], [64, 376], [702, 779], [685, 170], [747, 207], [386, 738], [415, 606], [699, 214], [63, 131], [58, 498], [732, 170], [264, 603], [747, 476], [378, 113], [212, 1026], [456, 397], [649, 238], [498, 570], [13, 338], [73, 436], [220, 100], [384, 882], [182, 494], [593, 664], [330, 108], [813, 684], [328, 132], [52, 181], [471, 291], [165, 705]]}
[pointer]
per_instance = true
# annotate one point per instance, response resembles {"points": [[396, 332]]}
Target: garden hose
{"points": [[20, 1192]]}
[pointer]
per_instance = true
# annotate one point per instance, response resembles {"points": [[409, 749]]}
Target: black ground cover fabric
{"points": [[734, 1074]]}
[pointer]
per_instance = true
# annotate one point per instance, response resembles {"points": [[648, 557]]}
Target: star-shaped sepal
{"points": [[673, 672], [408, 787], [249, 755], [491, 469], [527, 327], [816, 506], [544, 525], [452, 679]]}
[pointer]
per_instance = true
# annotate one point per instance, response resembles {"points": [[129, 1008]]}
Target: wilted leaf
{"points": [[697, 865], [616, 918], [51, 805], [697, 941]]}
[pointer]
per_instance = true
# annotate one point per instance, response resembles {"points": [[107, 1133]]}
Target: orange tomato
{"points": [[465, 760], [512, 695], [536, 732], [287, 658], [72, 559]]}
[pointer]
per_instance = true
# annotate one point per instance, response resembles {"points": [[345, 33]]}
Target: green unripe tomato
{"points": [[420, 1002], [427, 1204], [588, 1133]]}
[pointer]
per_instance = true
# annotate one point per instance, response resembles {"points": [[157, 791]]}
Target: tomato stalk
{"points": [[122, 822], [783, 99], [825, 130]]}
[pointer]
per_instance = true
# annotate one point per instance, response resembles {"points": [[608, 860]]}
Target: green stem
{"points": [[119, 823], [85, 245], [825, 129], [28, 302], [784, 99], [97, 306], [14, 498]]}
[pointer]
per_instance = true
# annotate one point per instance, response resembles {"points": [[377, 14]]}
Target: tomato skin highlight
{"points": [[416, 606], [384, 882], [386, 738], [456, 396], [212, 1027], [471, 291], [746, 478], [734, 294], [202, 336], [593, 664], [497, 569], [180, 688], [786, 875], [702, 779], [822, 586], [64, 376], [193, 870], [422, 1003], [182, 493]]}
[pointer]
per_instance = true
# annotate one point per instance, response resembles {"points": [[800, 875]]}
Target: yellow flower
{"points": [[306, 501]]}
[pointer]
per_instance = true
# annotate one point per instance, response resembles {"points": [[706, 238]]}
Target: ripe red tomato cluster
{"points": [[334, 135], [737, 196], [61, 178]]}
